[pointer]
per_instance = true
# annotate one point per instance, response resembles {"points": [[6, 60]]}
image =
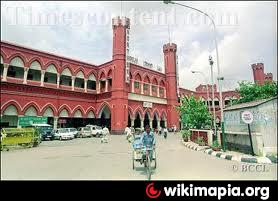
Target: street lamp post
{"points": [[218, 67], [212, 91], [200, 72]]}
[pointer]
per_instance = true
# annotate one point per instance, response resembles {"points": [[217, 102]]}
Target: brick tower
{"points": [[170, 62], [119, 96]]}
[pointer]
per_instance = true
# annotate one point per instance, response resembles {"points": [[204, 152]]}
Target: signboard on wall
{"points": [[147, 104], [247, 117], [28, 121], [127, 64]]}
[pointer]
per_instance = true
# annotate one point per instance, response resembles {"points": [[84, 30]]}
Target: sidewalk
{"points": [[228, 155]]}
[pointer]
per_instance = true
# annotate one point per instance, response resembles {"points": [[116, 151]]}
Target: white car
{"points": [[73, 131], [63, 134], [95, 130], [84, 132]]}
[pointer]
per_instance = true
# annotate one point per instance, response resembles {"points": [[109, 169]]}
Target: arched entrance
{"points": [[163, 121], [105, 117], [137, 121], [147, 119], [155, 118], [10, 117]]}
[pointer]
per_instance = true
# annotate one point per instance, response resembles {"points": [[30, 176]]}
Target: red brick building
{"points": [[73, 93]]}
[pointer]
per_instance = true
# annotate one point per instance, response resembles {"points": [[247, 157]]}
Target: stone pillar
{"points": [[42, 77], [106, 85], [55, 123], [164, 92], [18, 126], [219, 137], [5, 72], [58, 80], [157, 93], [85, 84], [158, 124], [142, 88], [142, 123], [132, 86], [72, 82], [132, 122], [165, 123], [98, 86], [210, 137], [151, 123], [151, 91], [25, 75]]}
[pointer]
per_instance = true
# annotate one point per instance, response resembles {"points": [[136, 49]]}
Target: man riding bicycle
{"points": [[148, 141]]}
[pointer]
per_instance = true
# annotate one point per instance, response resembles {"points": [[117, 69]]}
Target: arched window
{"points": [[79, 80], [91, 82], [34, 72], [66, 77], [16, 68], [50, 75]]}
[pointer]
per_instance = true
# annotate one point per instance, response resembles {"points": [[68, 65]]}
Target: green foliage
{"points": [[19, 136], [215, 144], [200, 141], [249, 91], [194, 113], [185, 133]]}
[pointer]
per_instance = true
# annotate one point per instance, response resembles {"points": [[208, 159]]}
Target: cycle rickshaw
{"points": [[139, 151]]}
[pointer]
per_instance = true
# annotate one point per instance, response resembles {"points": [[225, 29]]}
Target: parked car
{"points": [[84, 132], [73, 131], [45, 131], [96, 131], [63, 134]]}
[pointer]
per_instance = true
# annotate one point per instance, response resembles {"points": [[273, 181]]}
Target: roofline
{"points": [[266, 100], [46, 52]]}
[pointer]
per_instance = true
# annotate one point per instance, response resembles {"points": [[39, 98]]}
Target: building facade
{"points": [[72, 93]]}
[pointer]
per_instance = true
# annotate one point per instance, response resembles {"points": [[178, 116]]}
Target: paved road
{"points": [[88, 159]]}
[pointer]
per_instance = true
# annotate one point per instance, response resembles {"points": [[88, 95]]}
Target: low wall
{"points": [[206, 134], [240, 141]]}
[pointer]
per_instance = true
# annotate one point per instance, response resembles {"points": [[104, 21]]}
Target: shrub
{"points": [[200, 141], [186, 134]]}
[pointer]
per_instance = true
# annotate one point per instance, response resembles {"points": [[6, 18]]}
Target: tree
{"points": [[194, 113], [249, 91]]}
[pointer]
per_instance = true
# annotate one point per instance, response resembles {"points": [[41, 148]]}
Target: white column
{"points": [[158, 124], [18, 126], [157, 91], [58, 80], [142, 123], [151, 90], [106, 85], [72, 82], [132, 86], [132, 122], [5, 72], [151, 123], [55, 123], [42, 77], [85, 84], [164, 92], [142, 88], [165, 123], [98, 86], [25, 75]]}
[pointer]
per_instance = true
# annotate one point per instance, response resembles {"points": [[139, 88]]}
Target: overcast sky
{"points": [[246, 33]]}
